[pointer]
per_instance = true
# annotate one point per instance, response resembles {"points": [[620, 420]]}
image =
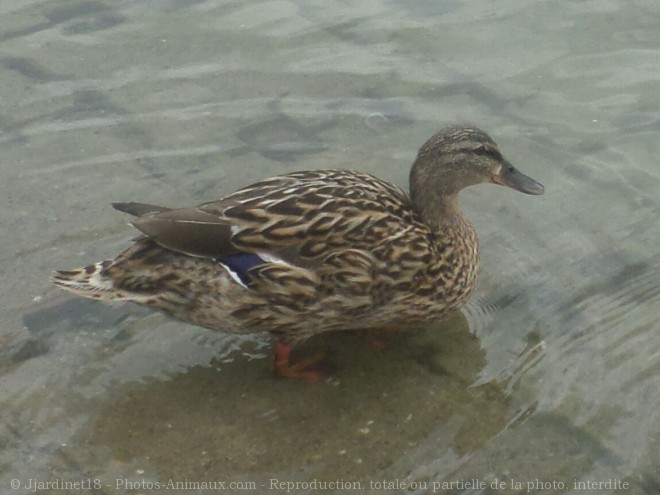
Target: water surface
{"points": [[550, 377]]}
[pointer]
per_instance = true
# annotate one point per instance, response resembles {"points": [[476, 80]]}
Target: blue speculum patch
{"points": [[240, 264]]}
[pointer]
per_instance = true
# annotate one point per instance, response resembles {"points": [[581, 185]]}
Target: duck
{"points": [[313, 251]]}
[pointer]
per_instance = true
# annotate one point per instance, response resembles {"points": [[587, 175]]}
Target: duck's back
{"points": [[315, 212]]}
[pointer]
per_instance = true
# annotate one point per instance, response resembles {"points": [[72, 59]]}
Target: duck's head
{"points": [[460, 156]]}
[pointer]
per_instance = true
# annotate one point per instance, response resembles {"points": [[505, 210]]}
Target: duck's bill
{"points": [[511, 177]]}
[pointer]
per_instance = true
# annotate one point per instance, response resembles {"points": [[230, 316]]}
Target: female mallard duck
{"points": [[312, 251]]}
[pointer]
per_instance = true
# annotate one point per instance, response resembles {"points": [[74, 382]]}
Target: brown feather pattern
{"points": [[341, 250]]}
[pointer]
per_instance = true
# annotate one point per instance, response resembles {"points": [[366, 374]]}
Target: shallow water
{"points": [[550, 377]]}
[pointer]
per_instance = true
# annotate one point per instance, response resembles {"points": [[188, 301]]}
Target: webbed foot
{"points": [[313, 369]]}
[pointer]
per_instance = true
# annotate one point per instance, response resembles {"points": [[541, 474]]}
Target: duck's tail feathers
{"points": [[90, 281]]}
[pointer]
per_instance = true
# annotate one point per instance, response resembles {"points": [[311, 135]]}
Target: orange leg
{"points": [[379, 338], [308, 369], [376, 340]]}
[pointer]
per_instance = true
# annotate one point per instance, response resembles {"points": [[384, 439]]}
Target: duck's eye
{"points": [[486, 151]]}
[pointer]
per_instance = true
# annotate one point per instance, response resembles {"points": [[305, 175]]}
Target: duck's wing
{"points": [[298, 217], [139, 209], [186, 230]]}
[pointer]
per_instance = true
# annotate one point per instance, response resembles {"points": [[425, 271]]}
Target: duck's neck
{"points": [[434, 193], [440, 212]]}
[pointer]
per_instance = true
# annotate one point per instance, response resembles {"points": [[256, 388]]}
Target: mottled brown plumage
{"points": [[312, 251]]}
